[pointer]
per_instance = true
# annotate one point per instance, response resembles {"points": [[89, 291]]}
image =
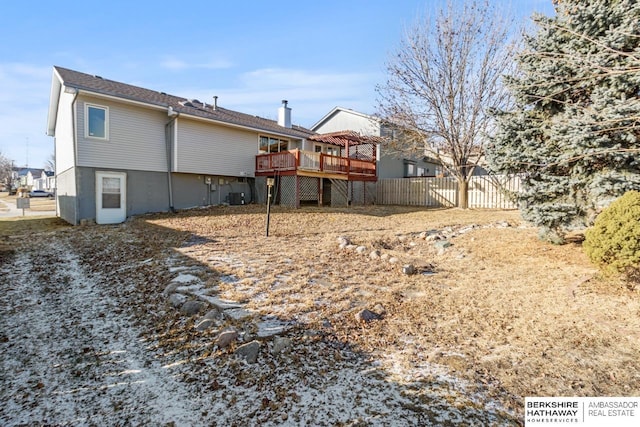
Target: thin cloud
{"points": [[311, 94], [177, 64]]}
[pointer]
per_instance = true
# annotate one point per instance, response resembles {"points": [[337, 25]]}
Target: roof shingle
{"points": [[99, 85]]}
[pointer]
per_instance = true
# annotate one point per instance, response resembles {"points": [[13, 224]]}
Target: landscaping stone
{"points": [[192, 307], [393, 260], [361, 249], [442, 244], [375, 254], [171, 288], [214, 314], [281, 345], [226, 338], [343, 242], [249, 351], [176, 300], [408, 269], [366, 316], [204, 324]]}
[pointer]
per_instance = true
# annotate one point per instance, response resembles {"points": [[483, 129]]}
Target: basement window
{"points": [[96, 122]]}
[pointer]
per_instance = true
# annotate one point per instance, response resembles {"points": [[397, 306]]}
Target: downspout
{"points": [[168, 134], [74, 140]]}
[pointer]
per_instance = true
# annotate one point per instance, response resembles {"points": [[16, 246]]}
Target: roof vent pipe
{"points": [[215, 102], [284, 115]]}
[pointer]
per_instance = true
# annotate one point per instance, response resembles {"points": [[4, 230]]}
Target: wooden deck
{"points": [[309, 163]]}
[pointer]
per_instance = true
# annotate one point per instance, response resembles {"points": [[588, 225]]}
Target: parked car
{"points": [[41, 193]]}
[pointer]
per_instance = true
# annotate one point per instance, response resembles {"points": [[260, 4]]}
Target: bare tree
{"points": [[6, 167], [50, 163], [443, 83]]}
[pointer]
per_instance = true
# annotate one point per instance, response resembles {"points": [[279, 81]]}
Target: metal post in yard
{"points": [[270, 182]]}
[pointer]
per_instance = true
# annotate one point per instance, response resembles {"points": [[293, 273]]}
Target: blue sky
{"points": [[251, 54]]}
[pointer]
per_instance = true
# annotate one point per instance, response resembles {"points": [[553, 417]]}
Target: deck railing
{"points": [[310, 161]]}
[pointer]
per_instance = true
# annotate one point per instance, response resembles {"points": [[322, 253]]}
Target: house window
{"points": [[317, 148], [111, 193], [273, 145], [96, 122], [409, 168], [421, 172], [332, 151]]}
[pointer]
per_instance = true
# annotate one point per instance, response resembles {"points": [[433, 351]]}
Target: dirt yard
{"points": [[469, 311]]}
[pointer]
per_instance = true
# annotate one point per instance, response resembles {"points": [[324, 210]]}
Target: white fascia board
{"points": [[54, 101]]}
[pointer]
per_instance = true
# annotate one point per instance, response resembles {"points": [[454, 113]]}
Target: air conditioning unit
{"points": [[236, 198]]}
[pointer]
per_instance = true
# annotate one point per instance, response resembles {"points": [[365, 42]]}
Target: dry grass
{"points": [[505, 311]]}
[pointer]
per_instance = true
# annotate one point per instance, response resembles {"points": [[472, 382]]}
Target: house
{"points": [[389, 164], [27, 177], [123, 150], [46, 181]]}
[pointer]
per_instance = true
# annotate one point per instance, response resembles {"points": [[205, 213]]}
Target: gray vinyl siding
{"points": [[66, 196], [64, 149], [207, 148], [136, 138]]}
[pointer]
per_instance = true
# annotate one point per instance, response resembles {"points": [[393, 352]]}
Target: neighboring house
{"points": [[123, 150], [47, 182], [28, 177], [390, 164]]}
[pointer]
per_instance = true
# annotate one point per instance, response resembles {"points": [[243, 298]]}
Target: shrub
{"points": [[613, 243]]}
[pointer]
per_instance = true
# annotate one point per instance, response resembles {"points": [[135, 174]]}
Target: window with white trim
{"points": [[96, 121]]}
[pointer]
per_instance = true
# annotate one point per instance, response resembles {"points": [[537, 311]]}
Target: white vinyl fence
{"points": [[488, 191]]}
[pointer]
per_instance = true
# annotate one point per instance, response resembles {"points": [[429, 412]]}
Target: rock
{"points": [[249, 351], [361, 249], [408, 269], [171, 288], [343, 242], [281, 345], [176, 300], [193, 307], [393, 260], [422, 235], [384, 257], [466, 229], [379, 308], [237, 313], [442, 244], [374, 254], [366, 316], [226, 338], [214, 314], [204, 324]]}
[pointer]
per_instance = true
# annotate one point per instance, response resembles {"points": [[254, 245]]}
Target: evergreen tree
{"points": [[574, 134]]}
